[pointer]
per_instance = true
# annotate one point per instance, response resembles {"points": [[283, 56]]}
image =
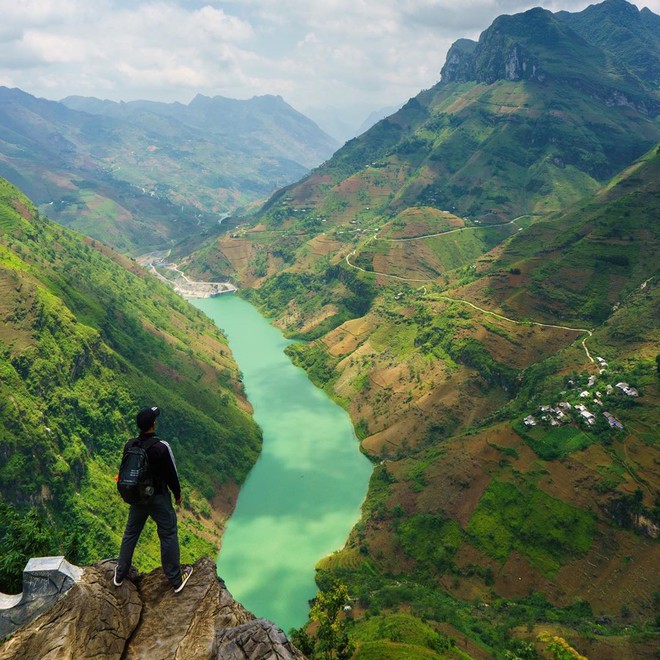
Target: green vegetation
{"points": [[87, 340], [331, 640], [405, 610], [385, 650], [431, 540], [316, 361], [585, 261], [21, 538], [399, 636], [340, 286], [441, 335], [547, 531], [553, 443]]}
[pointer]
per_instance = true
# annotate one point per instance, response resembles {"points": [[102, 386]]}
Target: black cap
{"points": [[146, 417]]}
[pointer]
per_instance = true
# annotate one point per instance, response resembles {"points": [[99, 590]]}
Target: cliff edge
{"points": [[144, 619]]}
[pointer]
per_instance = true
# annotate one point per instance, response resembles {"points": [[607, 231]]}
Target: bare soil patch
{"points": [[517, 579], [458, 479], [620, 569]]}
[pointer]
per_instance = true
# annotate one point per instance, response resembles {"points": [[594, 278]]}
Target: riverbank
{"points": [[179, 281]]}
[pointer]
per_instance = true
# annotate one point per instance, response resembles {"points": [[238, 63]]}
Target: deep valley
{"points": [[474, 280]]}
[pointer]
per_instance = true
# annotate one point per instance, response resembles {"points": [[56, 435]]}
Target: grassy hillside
{"points": [[633, 36], [500, 535], [526, 122], [87, 339], [456, 271], [580, 264]]}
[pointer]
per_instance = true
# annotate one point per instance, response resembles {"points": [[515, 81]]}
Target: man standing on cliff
{"points": [[158, 506]]}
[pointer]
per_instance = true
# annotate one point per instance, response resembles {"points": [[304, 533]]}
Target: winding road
{"points": [[453, 231], [588, 332]]}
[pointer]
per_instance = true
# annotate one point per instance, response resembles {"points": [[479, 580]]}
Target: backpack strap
{"points": [[148, 444]]}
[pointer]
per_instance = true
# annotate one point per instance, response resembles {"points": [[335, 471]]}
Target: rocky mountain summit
{"points": [[143, 619], [579, 50]]}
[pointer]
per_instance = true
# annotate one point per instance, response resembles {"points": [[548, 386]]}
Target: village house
{"points": [[613, 421], [588, 416], [626, 389]]}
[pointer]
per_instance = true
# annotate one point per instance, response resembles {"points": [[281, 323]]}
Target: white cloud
{"points": [[370, 53], [52, 48]]}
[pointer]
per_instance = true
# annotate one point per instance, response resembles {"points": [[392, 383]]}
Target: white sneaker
{"points": [[115, 581], [185, 576]]}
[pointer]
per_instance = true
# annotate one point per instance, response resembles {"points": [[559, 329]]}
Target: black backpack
{"points": [[135, 482]]}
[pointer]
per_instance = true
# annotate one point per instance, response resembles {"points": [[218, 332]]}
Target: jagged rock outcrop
{"points": [[537, 45], [144, 619], [503, 51], [45, 580], [91, 619], [459, 65]]}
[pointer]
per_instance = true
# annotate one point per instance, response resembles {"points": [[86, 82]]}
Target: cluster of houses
{"points": [[555, 416], [561, 412]]}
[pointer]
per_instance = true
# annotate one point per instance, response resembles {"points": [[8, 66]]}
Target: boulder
{"points": [[45, 580], [91, 619], [145, 619]]}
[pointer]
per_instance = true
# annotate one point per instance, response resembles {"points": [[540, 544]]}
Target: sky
{"points": [[352, 55]]}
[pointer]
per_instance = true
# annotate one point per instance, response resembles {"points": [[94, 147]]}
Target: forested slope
{"points": [[87, 338]]}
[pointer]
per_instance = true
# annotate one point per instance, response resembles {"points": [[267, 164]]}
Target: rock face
{"points": [[91, 619], [45, 580], [144, 619]]}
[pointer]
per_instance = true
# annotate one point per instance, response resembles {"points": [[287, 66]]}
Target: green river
{"points": [[304, 493]]}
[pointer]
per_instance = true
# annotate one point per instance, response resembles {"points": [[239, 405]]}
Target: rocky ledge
{"points": [[144, 619]]}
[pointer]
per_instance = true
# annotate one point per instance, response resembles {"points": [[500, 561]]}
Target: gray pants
{"points": [[160, 508]]}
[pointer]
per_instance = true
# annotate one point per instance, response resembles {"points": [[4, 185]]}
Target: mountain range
{"points": [[144, 175], [474, 279]]}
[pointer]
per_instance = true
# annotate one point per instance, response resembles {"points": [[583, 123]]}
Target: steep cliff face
{"points": [[144, 619], [511, 49], [574, 49]]}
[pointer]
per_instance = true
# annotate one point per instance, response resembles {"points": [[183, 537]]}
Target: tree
{"points": [[22, 537], [332, 640]]}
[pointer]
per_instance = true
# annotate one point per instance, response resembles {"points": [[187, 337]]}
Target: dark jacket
{"points": [[161, 462]]}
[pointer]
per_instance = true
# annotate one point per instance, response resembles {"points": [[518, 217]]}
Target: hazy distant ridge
{"points": [[145, 175]]}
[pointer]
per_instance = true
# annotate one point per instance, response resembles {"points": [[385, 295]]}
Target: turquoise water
{"points": [[304, 493]]}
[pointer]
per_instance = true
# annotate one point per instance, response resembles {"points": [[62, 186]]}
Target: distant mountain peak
{"points": [[618, 4], [630, 36], [505, 50], [539, 45]]}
